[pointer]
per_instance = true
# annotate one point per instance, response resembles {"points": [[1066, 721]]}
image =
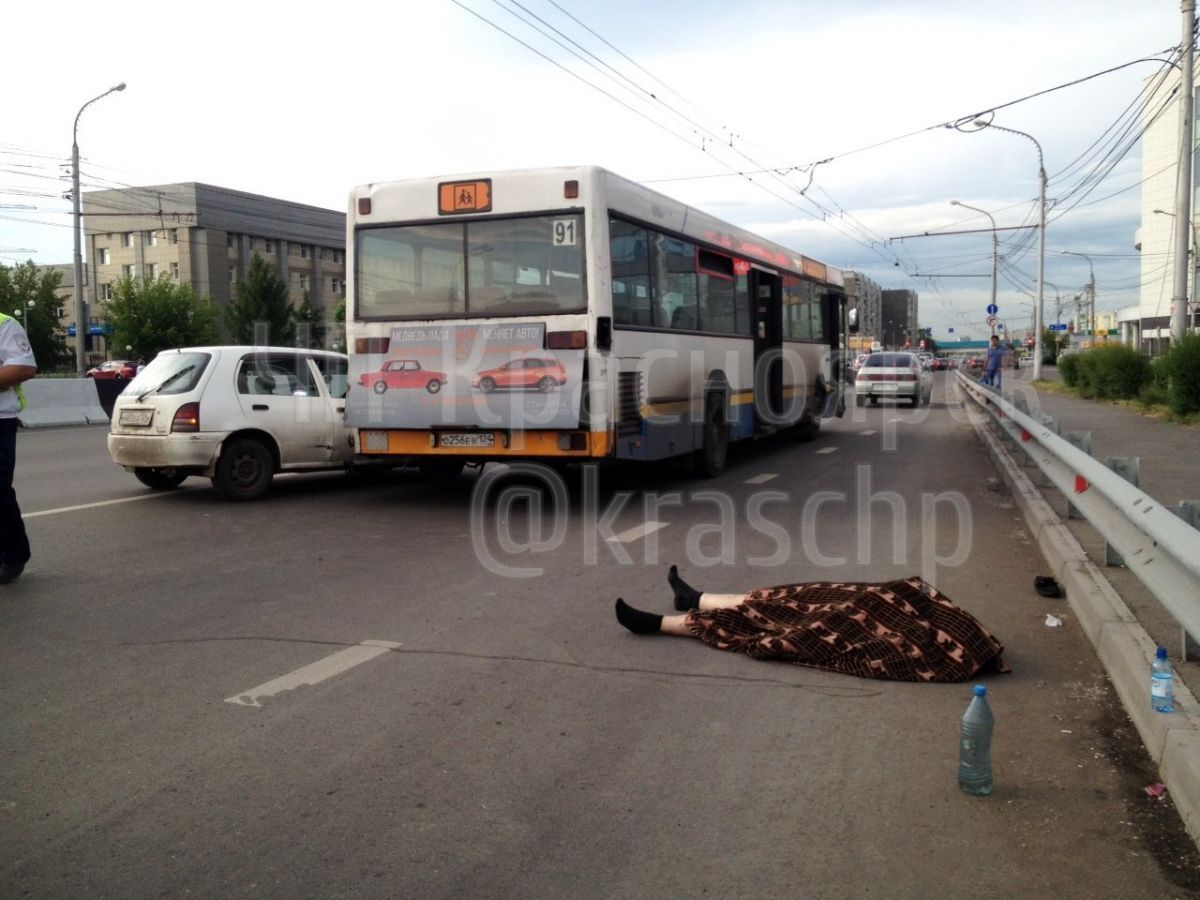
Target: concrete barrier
{"points": [[61, 401]]}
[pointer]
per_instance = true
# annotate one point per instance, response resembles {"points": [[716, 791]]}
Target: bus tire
{"points": [[710, 458], [443, 471], [380, 387], [487, 385]]}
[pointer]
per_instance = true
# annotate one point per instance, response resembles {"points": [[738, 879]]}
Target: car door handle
{"points": [[259, 406]]}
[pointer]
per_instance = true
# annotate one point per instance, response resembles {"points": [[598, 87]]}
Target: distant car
{"points": [[893, 376], [236, 415], [940, 364], [523, 374], [114, 369], [403, 373]]}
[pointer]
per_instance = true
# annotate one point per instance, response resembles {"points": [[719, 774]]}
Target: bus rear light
{"points": [[187, 418], [572, 440], [566, 340], [364, 206], [570, 189], [372, 345]]}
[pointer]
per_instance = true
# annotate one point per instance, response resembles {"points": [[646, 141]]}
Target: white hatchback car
{"points": [[236, 415]]}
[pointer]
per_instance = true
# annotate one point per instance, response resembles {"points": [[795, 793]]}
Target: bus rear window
{"points": [[489, 267]]}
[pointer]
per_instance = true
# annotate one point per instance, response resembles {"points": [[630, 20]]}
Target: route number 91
{"points": [[564, 232]]}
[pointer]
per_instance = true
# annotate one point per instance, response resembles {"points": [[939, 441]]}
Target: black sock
{"points": [[686, 596], [637, 621]]}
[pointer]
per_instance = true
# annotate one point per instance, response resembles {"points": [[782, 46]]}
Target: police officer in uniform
{"points": [[16, 365]]}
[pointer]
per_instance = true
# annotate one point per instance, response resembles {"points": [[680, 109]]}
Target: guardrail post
{"points": [[1080, 440], [1129, 468], [1189, 511]]}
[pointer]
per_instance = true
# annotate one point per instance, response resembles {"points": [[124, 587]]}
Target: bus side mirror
{"points": [[603, 332], [852, 319]]}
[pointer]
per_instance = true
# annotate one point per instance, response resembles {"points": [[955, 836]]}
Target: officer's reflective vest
{"points": [[17, 388]]}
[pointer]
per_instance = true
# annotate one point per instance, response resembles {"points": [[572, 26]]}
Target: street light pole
{"points": [[1041, 271], [995, 247], [1091, 292], [80, 315], [1183, 179]]}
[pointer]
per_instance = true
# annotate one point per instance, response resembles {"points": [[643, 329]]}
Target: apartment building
{"points": [[206, 236], [898, 318], [865, 295]]}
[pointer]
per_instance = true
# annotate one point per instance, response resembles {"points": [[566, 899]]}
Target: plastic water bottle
{"points": [[975, 746], [1162, 683]]}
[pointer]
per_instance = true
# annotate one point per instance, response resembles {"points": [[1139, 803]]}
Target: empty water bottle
{"points": [[975, 746], [1162, 683]]}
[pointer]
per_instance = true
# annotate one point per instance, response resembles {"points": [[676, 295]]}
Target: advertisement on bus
{"points": [[467, 376]]}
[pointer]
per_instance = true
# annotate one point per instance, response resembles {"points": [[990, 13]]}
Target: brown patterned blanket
{"points": [[901, 630]]}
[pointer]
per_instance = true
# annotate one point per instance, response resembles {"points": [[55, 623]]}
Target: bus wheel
{"points": [[380, 387], [710, 458], [487, 385], [434, 386], [443, 471], [545, 384]]}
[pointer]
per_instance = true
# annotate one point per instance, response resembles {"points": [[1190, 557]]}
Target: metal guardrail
{"points": [[1157, 546]]}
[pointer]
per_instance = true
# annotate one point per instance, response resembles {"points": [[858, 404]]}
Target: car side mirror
{"points": [[852, 319]]}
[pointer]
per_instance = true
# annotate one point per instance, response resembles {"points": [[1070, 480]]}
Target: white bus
{"points": [[570, 314]]}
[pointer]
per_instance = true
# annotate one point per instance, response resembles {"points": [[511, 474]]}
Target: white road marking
{"points": [[315, 673], [868, 432], [638, 531], [827, 450], [99, 503], [761, 479]]}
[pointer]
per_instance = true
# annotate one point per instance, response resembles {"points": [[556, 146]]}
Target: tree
{"points": [[150, 315], [32, 292], [310, 324], [262, 312]]}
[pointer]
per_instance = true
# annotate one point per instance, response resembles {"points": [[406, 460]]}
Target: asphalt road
{"points": [[504, 736]]}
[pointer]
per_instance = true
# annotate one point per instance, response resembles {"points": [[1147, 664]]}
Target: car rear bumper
{"points": [[888, 389], [196, 452]]}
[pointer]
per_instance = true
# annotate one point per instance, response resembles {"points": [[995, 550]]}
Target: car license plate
{"points": [[480, 439], [136, 416], [885, 387]]}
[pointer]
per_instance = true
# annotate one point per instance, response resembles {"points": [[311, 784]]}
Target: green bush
{"points": [[1113, 372], [1181, 366], [1068, 368]]}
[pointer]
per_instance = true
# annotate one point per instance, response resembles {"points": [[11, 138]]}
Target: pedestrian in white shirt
{"points": [[17, 365]]}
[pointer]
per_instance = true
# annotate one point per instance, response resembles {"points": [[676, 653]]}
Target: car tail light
{"points": [[187, 418], [908, 377], [372, 345], [566, 340]]}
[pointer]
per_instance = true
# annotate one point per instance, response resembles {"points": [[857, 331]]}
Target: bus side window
{"points": [[630, 274], [675, 268]]}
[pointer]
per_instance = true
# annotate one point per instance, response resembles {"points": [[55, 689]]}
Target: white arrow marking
{"points": [[314, 673]]}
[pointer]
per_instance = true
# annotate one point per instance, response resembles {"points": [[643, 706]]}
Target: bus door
{"points": [[767, 290]]}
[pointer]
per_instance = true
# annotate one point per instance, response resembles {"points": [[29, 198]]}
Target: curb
{"points": [[1123, 646]]}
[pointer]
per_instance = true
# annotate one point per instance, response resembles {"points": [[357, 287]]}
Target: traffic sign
{"points": [[992, 309], [992, 320], [1057, 326]]}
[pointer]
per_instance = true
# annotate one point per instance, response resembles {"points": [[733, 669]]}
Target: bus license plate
{"points": [[136, 416], [484, 439]]}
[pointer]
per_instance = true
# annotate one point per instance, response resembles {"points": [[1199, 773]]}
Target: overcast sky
{"points": [[302, 101]]}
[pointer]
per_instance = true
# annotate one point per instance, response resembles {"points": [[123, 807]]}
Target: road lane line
{"points": [[827, 450], [638, 531], [99, 503], [761, 479], [315, 673], [867, 433]]}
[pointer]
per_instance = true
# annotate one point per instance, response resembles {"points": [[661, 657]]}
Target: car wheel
{"points": [[443, 471], [379, 387], [487, 385], [710, 458], [545, 384], [159, 479], [244, 471], [434, 386], [860, 401]]}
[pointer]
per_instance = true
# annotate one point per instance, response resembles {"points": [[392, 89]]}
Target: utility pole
{"points": [[1183, 183]]}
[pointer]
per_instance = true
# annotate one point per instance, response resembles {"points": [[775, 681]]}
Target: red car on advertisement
{"points": [[403, 373], [539, 374]]}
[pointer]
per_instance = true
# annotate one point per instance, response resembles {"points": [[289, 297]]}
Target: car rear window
{"points": [[889, 360], [170, 372]]}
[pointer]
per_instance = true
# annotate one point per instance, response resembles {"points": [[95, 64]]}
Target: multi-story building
{"points": [[1156, 236], [864, 294], [205, 236], [898, 318]]}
